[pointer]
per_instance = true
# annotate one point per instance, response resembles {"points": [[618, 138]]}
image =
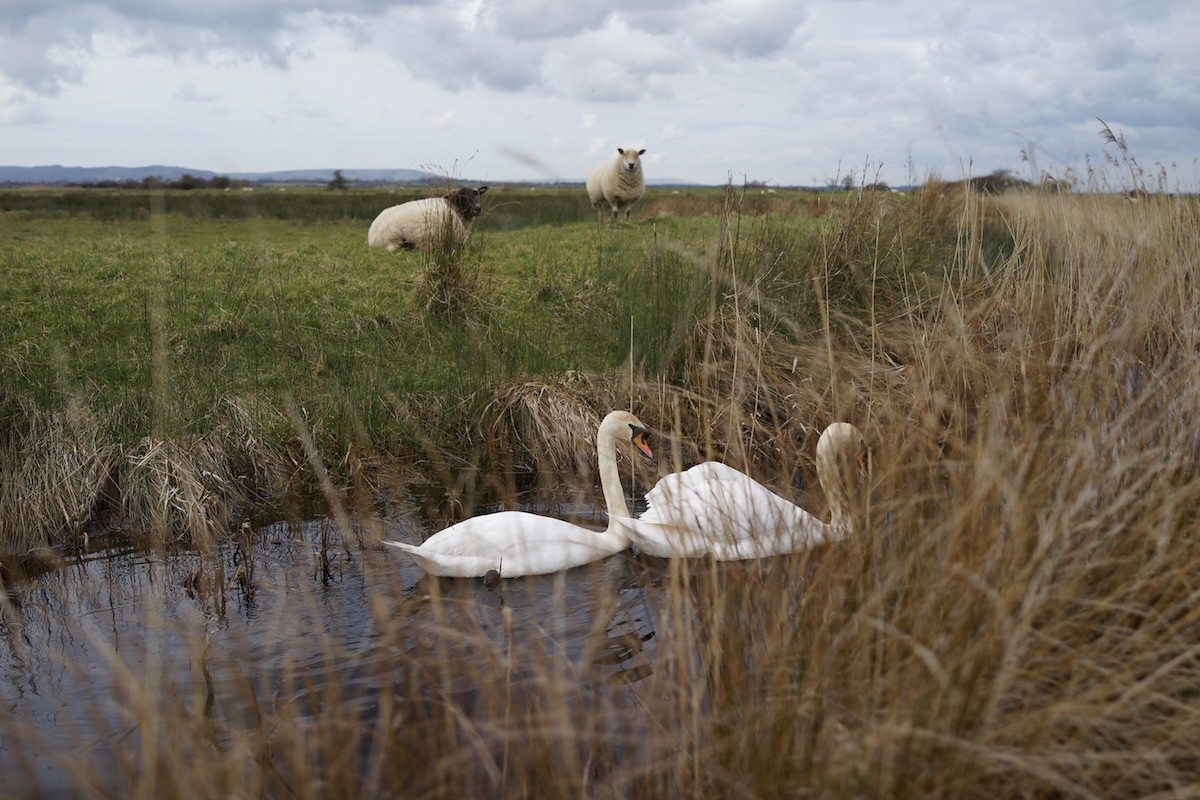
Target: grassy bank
{"points": [[146, 324], [1016, 615]]}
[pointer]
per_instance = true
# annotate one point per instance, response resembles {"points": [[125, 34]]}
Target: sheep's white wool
{"points": [[617, 184], [423, 224], [419, 224]]}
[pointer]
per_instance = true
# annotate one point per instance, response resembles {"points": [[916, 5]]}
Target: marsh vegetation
{"points": [[1017, 617]]}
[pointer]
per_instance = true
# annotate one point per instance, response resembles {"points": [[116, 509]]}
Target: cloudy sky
{"points": [[776, 90]]}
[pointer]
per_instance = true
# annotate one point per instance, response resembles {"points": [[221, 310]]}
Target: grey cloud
{"points": [[862, 75], [1040, 71], [436, 44], [36, 37], [749, 30], [545, 19], [514, 45], [27, 57], [619, 64], [981, 80], [617, 52]]}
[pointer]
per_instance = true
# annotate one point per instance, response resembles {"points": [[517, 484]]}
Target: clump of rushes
{"points": [[54, 469], [451, 279]]}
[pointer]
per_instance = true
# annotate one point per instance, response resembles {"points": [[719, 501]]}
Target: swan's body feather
{"points": [[714, 509], [515, 543], [512, 543]]}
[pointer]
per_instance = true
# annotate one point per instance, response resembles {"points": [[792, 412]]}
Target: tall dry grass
{"points": [[64, 473], [55, 472], [1016, 617]]}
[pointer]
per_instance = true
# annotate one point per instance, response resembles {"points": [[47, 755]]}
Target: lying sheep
{"points": [[617, 184], [425, 224]]}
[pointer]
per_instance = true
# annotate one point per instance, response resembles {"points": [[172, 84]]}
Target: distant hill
{"points": [[56, 174]]}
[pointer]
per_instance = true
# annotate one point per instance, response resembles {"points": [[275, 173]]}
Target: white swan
{"points": [[516, 543], [715, 509]]}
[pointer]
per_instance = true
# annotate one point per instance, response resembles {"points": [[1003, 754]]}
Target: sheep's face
{"points": [[466, 202], [631, 160]]}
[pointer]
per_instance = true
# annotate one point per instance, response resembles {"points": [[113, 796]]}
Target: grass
{"points": [[1016, 616]]}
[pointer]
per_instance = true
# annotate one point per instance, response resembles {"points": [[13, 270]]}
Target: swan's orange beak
{"points": [[864, 467], [639, 441]]}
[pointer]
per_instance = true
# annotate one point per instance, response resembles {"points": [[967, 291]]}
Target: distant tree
{"points": [[339, 182], [220, 182], [848, 183], [998, 181], [187, 181]]}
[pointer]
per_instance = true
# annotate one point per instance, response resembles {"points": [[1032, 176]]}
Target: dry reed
{"points": [[1016, 616], [54, 469]]}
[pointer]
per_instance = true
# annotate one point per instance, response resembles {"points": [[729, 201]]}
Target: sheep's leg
{"points": [[616, 212]]}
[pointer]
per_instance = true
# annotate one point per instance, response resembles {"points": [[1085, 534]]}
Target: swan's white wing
{"points": [[713, 508], [513, 543]]}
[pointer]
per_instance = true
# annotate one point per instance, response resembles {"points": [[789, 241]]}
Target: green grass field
{"points": [[267, 306]]}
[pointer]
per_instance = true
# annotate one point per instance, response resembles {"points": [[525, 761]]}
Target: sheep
{"points": [[617, 184], [425, 224]]}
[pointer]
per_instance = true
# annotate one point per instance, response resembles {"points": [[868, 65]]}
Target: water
{"points": [[64, 635]]}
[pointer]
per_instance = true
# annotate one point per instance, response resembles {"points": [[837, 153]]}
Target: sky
{"points": [[784, 91]]}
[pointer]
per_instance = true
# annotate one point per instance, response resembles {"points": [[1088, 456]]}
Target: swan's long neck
{"points": [[840, 525], [833, 483], [610, 478]]}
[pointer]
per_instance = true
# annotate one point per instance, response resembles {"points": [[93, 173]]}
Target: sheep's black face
{"points": [[466, 202]]}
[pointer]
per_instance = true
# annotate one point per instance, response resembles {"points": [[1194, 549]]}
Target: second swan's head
{"points": [[842, 453], [621, 426]]}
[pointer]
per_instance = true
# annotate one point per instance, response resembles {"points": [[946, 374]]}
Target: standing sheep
{"points": [[425, 224], [617, 184]]}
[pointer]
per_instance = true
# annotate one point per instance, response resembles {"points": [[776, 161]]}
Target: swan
{"points": [[516, 543], [715, 509]]}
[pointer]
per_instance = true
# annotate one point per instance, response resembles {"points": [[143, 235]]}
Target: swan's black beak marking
{"points": [[640, 435]]}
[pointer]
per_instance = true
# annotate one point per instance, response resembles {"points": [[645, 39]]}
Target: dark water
{"points": [[64, 635]]}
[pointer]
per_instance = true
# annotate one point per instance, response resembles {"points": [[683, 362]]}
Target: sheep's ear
{"points": [[642, 152], [621, 151], [481, 190]]}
